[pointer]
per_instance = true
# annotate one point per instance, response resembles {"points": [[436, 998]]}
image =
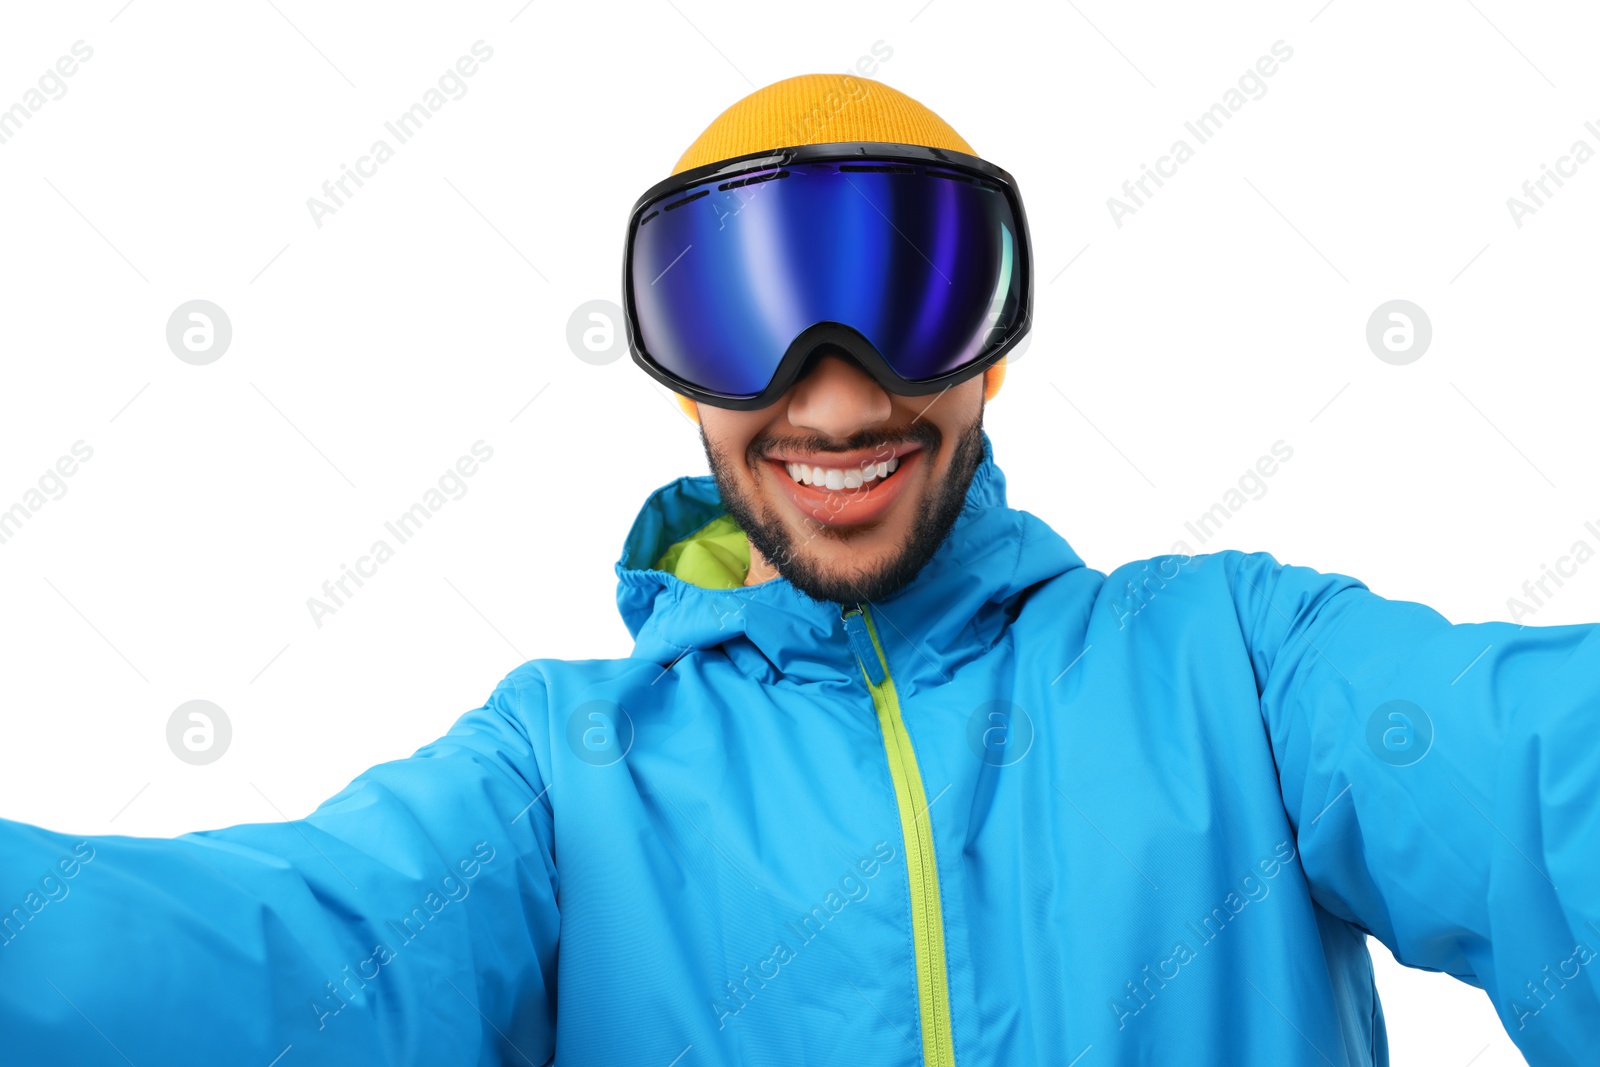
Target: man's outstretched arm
{"points": [[1444, 785], [410, 919]]}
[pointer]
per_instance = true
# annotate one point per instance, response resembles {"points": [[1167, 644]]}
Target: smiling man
{"points": [[835, 319], [889, 776]]}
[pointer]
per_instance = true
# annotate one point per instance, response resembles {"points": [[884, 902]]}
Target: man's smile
{"points": [[847, 488], [837, 478]]}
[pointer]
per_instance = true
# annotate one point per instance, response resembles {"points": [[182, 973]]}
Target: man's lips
{"points": [[856, 460], [847, 507]]}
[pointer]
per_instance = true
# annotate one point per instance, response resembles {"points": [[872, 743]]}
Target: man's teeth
{"points": [[840, 478]]}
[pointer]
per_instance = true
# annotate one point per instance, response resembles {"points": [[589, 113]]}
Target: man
{"points": [[890, 777]]}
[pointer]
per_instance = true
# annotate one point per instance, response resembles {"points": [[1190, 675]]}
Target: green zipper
{"points": [[927, 921]]}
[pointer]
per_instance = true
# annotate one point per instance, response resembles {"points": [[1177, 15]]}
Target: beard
{"points": [[937, 512]]}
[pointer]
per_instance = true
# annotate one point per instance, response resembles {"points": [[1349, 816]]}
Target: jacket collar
{"points": [[954, 610]]}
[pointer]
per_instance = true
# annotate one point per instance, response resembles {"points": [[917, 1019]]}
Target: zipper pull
{"points": [[855, 629]]}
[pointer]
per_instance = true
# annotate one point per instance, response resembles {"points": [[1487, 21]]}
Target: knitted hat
{"points": [[824, 109]]}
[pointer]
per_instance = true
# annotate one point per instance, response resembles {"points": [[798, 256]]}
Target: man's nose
{"points": [[837, 398]]}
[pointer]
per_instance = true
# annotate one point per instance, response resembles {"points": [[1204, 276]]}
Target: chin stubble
{"points": [[936, 513]]}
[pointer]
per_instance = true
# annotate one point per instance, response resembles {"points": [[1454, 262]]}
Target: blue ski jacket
{"points": [[1021, 812]]}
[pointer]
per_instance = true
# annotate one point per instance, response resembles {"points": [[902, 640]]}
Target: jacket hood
{"points": [[680, 584]]}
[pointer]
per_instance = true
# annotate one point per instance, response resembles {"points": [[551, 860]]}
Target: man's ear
{"points": [[688, 407], [992, 379]]}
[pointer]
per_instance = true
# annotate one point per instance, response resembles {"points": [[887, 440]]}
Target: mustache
{"points": [[922, 433]]}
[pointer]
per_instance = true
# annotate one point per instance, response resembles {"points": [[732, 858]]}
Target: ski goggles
{"points": [[914, 261]]}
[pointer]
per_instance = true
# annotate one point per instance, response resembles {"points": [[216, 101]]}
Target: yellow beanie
{"points": [[824, 109]]}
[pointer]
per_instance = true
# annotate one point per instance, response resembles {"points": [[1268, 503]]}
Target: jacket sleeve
{"points": [[409, 919], [1443, 782]]}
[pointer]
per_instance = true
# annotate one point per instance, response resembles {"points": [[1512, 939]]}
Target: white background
{"points": [[368, 354]]}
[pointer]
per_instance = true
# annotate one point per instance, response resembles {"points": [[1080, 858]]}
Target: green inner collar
{"points": [[716, 556]]}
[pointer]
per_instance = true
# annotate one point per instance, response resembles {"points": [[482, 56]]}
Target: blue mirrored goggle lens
{"points": [[923, 262]]}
